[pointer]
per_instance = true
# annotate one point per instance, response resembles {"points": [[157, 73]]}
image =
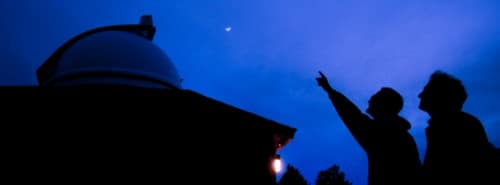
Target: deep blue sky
{"points": [[267, 63]]}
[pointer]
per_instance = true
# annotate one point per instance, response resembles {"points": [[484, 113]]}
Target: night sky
{"points": [[263, 56]]}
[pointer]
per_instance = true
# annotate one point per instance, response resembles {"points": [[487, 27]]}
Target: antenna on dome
{"points": [[147, 20]]}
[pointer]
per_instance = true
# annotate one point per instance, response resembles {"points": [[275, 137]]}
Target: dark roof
{"points": [[130, 134], [184, 108]]}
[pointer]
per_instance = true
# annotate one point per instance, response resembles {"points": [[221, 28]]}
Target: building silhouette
{"points": [[110, 108]]}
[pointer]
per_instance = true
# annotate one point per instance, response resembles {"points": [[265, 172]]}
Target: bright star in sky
{"points": [[228, 28]]}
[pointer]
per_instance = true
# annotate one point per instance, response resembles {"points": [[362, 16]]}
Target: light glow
{"points": [[277, 165]]}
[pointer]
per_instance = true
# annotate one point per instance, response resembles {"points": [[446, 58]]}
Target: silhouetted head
{"points": [[442, 94], [386, 102]]}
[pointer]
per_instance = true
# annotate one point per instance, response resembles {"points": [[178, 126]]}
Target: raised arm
{"points": [[351, 115]]}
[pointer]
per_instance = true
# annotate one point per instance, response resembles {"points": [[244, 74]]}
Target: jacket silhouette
{"points": [[392, 152], [457, 145]]}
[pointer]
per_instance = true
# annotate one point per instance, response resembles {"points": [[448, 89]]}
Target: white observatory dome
{"points": [[114, 57]]}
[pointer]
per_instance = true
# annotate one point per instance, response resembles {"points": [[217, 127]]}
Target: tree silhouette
{"points": [[292, 176], [332, 176]]}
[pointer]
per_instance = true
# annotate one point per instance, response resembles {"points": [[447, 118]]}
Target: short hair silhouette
{"points": [[446, 91], [392, 101]]}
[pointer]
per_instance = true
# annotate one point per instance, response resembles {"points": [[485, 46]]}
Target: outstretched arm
{"points": [[352, 117]]}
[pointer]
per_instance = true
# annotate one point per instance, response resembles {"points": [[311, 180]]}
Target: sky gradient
{"points": [[267, 63]]}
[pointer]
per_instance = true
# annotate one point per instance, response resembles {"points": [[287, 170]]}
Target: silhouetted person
{"points": [[392, 153], [457, 144]]}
